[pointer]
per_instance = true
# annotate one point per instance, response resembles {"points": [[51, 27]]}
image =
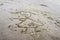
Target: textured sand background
{"points": [[29, 19]]}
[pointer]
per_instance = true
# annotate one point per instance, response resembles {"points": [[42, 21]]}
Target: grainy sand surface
{"points": [[29, 20]]}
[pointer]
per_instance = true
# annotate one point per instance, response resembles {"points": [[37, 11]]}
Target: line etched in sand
{"points": [[33, 23]]}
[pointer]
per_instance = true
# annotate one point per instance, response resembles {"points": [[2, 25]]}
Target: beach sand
{"points": [[29, 20]]}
